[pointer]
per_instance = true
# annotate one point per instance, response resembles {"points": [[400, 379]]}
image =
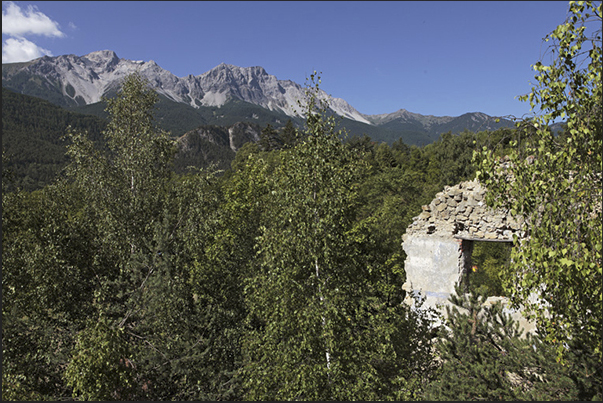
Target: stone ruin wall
{"points": [[461, 212], [439, 242]]}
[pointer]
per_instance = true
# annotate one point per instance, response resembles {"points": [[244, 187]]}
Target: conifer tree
{"points": [[269, 139], [484, 355], [288, 135], [478, 348]]}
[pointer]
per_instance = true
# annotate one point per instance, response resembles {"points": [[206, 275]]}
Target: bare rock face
{"points": [[85, 79], [233, 137]]}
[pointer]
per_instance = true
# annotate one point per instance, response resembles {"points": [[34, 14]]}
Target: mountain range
{"points": [[224, 95]]}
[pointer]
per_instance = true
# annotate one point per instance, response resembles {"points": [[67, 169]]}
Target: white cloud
{"points": [[17, 23], [16, 50]]}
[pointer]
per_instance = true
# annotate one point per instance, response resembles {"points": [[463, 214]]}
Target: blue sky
{"points": [[428, 57]]}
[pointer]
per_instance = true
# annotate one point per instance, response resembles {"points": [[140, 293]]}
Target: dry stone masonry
{"points": [[461, 212]]}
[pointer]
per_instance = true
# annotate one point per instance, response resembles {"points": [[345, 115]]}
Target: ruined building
{"points": [[439, 242]]}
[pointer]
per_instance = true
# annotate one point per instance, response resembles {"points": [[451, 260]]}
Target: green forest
{"points": [[127, 276]]}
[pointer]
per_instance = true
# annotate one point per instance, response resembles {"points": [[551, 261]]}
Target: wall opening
{"points": [[483, 262]]}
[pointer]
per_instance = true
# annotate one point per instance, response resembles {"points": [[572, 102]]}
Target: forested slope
{"points": [[280, 279], [33, 137]]}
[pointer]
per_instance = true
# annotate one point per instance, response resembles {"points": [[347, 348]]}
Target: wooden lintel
{"points": [[468, 238]]}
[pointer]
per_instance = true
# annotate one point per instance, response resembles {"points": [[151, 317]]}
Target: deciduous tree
{"points": [[555, 183], [326, 320]]}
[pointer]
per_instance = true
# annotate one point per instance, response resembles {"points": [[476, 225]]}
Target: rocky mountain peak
{"points": [[101, 55], [102, 58], [85, 79]]}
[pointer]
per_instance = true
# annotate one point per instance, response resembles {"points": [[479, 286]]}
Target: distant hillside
{"points": [[215, 146], [179, 118], [424, 129], [33, 130], [32, 137]]}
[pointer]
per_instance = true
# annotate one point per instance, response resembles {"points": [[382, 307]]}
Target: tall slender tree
{"points": [[288, 135], [555, 184], [151, 231], [324, 322], [269, 139]]}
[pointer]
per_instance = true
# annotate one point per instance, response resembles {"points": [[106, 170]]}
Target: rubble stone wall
{"points": [[461, 212]]}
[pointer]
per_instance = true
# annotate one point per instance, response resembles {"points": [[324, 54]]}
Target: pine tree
{"points": [[289, 135], [484, 355], [477, 349], [269, 139]]}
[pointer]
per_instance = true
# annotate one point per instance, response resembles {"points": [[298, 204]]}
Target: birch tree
{"points": [[323, 323], [554, 183]]}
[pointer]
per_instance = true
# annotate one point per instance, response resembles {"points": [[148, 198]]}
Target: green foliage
{"points": [[46, 283], [488, 260], [485, 356], [33, 138], [325, 317], [124, 185], [401, 178], [198, 152], [289, 135], [123, 241], [179, 118], [555, 183], [280, 279], [269, 139], [101, 368], [483, 344], [213, 147], [151, 233]]}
